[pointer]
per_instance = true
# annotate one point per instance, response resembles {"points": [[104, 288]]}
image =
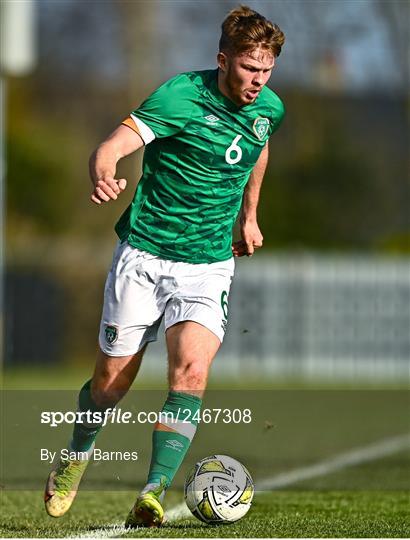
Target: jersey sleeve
{"points": [[166, 111]]}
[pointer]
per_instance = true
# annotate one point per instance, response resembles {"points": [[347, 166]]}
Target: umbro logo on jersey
{"points": [[212, 119]]}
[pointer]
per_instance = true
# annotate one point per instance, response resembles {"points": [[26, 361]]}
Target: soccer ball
{"points": [[219, 490]]}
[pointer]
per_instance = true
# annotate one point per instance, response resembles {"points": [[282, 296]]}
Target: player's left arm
{"points": [[251, 236]]}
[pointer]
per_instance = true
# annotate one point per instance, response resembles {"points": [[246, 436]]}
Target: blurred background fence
{"points": [[325, 318], [329, 296], [297, 317]]}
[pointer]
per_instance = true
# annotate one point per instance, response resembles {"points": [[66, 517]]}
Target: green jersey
{"points": [[202, 149]]}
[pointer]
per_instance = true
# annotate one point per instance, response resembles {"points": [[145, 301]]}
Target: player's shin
{"points": [[93, 418], [170, 442], [172, 437]]}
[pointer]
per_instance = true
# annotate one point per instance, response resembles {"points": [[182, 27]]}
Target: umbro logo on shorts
{"points": [[175, 445]]}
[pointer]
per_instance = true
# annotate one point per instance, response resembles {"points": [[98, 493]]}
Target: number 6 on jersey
{"points": [[234, 149]]}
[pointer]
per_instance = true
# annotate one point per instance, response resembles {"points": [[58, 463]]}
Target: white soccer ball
{"points": [[219, 490]]}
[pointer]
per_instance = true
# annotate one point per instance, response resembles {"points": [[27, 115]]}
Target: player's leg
{"points": [[195, 322], [130, 319], [191, 349], [112, 379]]}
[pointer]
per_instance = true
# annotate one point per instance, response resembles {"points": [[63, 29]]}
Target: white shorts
{"points": [[142, 288]]}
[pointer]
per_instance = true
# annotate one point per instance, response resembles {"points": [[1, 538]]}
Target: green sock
{"points": [[169, 447], [84, 434]]}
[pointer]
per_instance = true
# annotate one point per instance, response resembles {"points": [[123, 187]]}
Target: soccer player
{"points": [[206, 149]]}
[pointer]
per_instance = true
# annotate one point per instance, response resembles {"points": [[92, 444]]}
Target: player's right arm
{"points": [[103, 163], [157, 117]]}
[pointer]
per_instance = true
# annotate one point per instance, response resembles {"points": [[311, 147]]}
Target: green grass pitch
{"points": [[277, 514], [291, 429]]}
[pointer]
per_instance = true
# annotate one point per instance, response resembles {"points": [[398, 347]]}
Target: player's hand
{"points": [[107, 189], [251, 239]]}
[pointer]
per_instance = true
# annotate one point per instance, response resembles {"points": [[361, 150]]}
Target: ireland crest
{"points": [[111, 334], [260, 127]]}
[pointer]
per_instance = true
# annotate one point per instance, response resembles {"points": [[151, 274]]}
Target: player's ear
{"points": [[222, 61]]}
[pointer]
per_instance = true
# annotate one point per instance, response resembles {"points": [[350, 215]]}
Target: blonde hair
{"points": [[244, 30]]}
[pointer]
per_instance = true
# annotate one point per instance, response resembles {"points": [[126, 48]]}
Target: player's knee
{"points": [[190, 376]]}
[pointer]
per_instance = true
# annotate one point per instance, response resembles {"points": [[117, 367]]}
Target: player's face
{"points": [[244, 75]]}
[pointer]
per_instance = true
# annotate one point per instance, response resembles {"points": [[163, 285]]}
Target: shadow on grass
{"points": [[183, 526]]}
